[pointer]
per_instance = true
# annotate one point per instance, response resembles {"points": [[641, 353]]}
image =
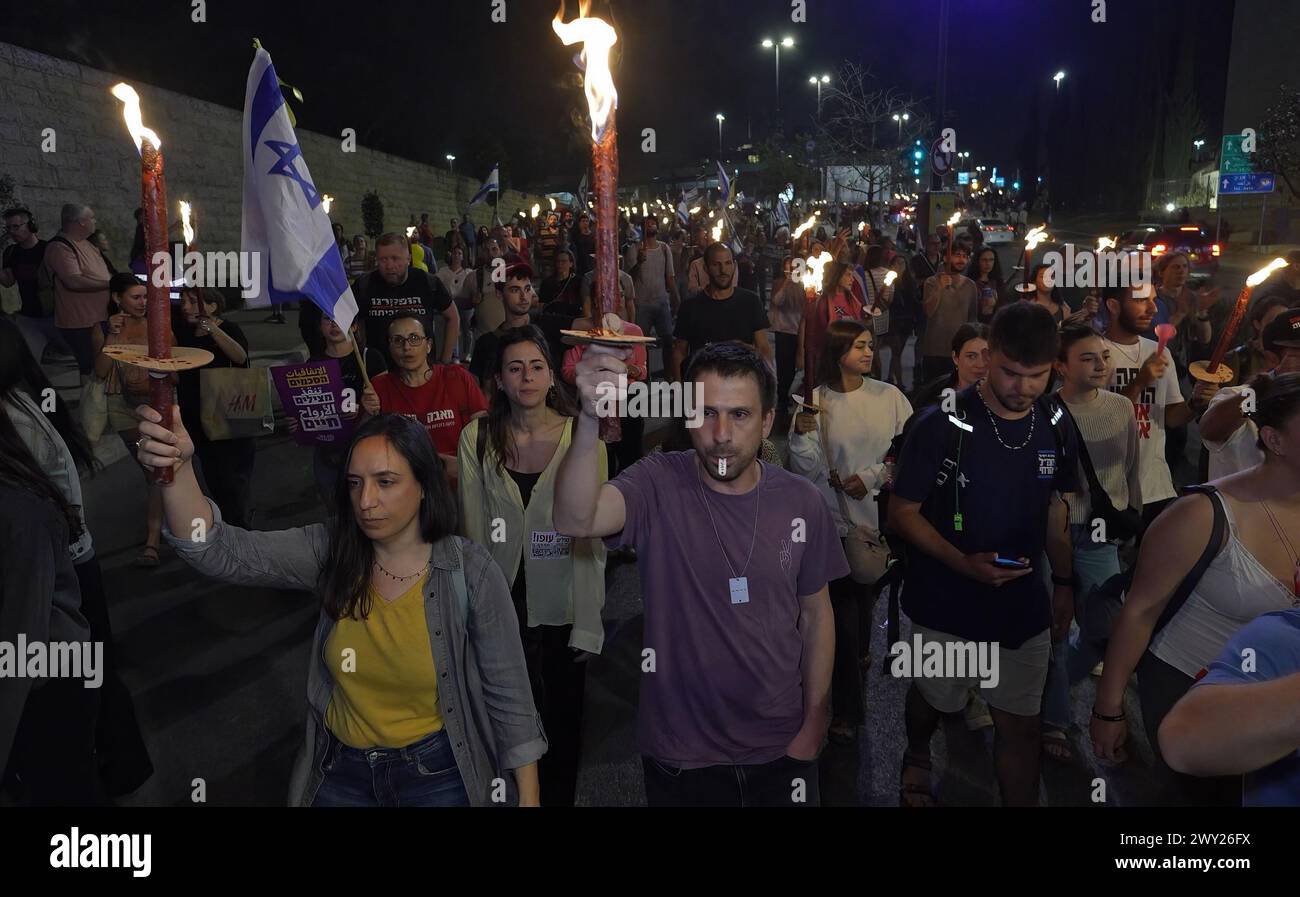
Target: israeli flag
{"points": [[683, 215], [491, 185], [724, 184], [283, 222]]}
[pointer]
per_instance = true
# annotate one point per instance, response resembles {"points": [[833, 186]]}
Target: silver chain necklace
{"points": [[1033, 415], [752, 539]]}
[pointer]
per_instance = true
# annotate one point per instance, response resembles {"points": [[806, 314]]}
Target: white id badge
{"points": [[739, 590], [550, 546]]}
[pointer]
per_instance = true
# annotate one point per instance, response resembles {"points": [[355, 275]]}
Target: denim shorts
{"points": [[422, 774]]}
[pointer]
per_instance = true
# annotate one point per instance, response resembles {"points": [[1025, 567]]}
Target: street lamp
{"points": [[452, 161], [1058, 77], [1198, 144], [769, 44], [899, 119], [818, 82], [721, 118]]}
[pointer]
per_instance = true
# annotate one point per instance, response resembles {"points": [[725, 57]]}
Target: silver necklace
{"points": [[754, 538], [396, 578], [1033, 415]]}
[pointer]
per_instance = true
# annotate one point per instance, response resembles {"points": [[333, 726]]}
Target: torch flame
{"points": [[956, 216], [552, 199], [410, 232], [1262, 274], [131, 114], [185, 223], [890, 278], [1104, 243], [1035, 236], [535, 209], [803, 228], [597, 37], [645, 210], [717, 232], [327, 201], [812, 274]]}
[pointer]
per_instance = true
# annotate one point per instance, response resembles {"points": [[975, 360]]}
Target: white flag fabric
{"points": [[283, 221], [491, 185]]}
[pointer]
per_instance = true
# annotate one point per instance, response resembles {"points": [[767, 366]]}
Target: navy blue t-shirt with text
{"points": [[1002, 496]]}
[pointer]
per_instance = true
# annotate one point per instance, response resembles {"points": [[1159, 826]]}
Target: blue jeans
{"points": [[657, 316], [1072, 659], [422, 774]]}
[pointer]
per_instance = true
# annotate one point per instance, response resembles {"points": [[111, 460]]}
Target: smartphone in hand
{"points": [[1009, 563]]}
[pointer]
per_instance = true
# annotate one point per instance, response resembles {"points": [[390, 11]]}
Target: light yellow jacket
{"points": [[561, 591]]}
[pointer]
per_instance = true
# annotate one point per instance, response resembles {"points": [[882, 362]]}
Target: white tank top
{"points": [[1235, 589]]}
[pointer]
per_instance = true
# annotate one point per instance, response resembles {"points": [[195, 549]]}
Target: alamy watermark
{"points": [[52, 660], [946, 660], [658, 399], [1092, 269], [208, 269]]}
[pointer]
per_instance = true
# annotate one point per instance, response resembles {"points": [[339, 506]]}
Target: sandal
{"points": [[1056, 745], [148, 557], [914, 794]]}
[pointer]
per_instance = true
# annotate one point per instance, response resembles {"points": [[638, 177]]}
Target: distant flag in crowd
{"points": [[724, 184], [582, 191], [683, 215], [491, 185], [283, 220]]}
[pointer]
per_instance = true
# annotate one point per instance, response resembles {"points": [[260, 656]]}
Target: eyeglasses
{"points": [[414, 340]]}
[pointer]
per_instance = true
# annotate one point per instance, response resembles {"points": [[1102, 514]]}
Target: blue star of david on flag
{"points": [[288, 152]]}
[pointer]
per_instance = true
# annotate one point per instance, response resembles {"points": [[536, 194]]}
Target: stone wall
{"points": [[94, 160]]}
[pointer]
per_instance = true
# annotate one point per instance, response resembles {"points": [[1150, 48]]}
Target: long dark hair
{"points": [[995, 274], [840, 337], [19, 370], [499, 438], [19, 469], [345, 579]]}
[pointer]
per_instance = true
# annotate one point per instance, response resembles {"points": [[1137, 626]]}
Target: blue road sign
{"points": [[1252, 182], [963, 178]]}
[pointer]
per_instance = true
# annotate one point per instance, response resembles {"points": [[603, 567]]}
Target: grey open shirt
{"points": [[483, 690]]}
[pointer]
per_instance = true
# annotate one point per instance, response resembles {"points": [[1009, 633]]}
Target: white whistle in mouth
{"points": [[722, 467]]}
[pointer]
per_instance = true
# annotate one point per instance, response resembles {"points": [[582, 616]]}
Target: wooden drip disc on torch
{"points": [[183, 358], [1198, 369], [610, 334]]}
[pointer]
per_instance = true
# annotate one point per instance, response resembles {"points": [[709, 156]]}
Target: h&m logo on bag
{"points": [[1046, 464], [246, 401]]}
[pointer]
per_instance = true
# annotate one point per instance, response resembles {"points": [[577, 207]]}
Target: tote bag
{"points": [[235, 403]]}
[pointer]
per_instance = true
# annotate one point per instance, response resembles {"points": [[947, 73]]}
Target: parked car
{"points": [[1192, 239], [994, 230]]}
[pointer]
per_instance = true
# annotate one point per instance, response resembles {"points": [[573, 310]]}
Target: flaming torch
{"points": [[597, 38], [157, 357], [952, 227], [1035, 236], [1215, 371], [186, 227]]}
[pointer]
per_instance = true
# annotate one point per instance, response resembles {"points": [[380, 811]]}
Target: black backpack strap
{"points": [[1190, 581], [1089, 472], [480, 440]]}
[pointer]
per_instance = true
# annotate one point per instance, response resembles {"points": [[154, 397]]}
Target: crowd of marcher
{"points": [[1015, 490]]}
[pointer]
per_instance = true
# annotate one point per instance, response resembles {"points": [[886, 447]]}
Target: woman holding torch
{"points": [[417, 688]]}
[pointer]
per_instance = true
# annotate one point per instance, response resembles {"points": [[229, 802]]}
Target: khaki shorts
{"points": [[1021, 674]]}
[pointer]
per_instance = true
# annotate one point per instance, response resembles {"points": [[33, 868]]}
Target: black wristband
{"points": [[1062, 580], [1107, 719]]}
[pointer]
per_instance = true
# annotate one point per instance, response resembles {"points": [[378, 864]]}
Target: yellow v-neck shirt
{"points": [[385, 683]]}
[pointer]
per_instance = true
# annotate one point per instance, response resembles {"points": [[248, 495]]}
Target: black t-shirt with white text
{"points": [[378, 302], [702, 319]]}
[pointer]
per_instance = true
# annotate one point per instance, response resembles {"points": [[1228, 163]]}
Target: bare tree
{"points": [[857, 128]]}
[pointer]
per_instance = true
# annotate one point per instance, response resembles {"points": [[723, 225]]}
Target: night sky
{"points": [[422, 79]]}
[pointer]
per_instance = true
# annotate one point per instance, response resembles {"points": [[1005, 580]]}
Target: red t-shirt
{"points": [[443, 405]]}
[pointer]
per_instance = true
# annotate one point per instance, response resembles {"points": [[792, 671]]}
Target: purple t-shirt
{"points": [[726, 685]]}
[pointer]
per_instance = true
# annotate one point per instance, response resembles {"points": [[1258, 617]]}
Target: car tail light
{"points": [[1193, 228], [1159, 249], [1214, 250]]}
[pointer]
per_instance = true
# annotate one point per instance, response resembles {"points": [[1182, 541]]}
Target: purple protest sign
{"points": [[312, 397]]}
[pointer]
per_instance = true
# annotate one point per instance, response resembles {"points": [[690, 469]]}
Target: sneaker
{"points": [[977, 714]]}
